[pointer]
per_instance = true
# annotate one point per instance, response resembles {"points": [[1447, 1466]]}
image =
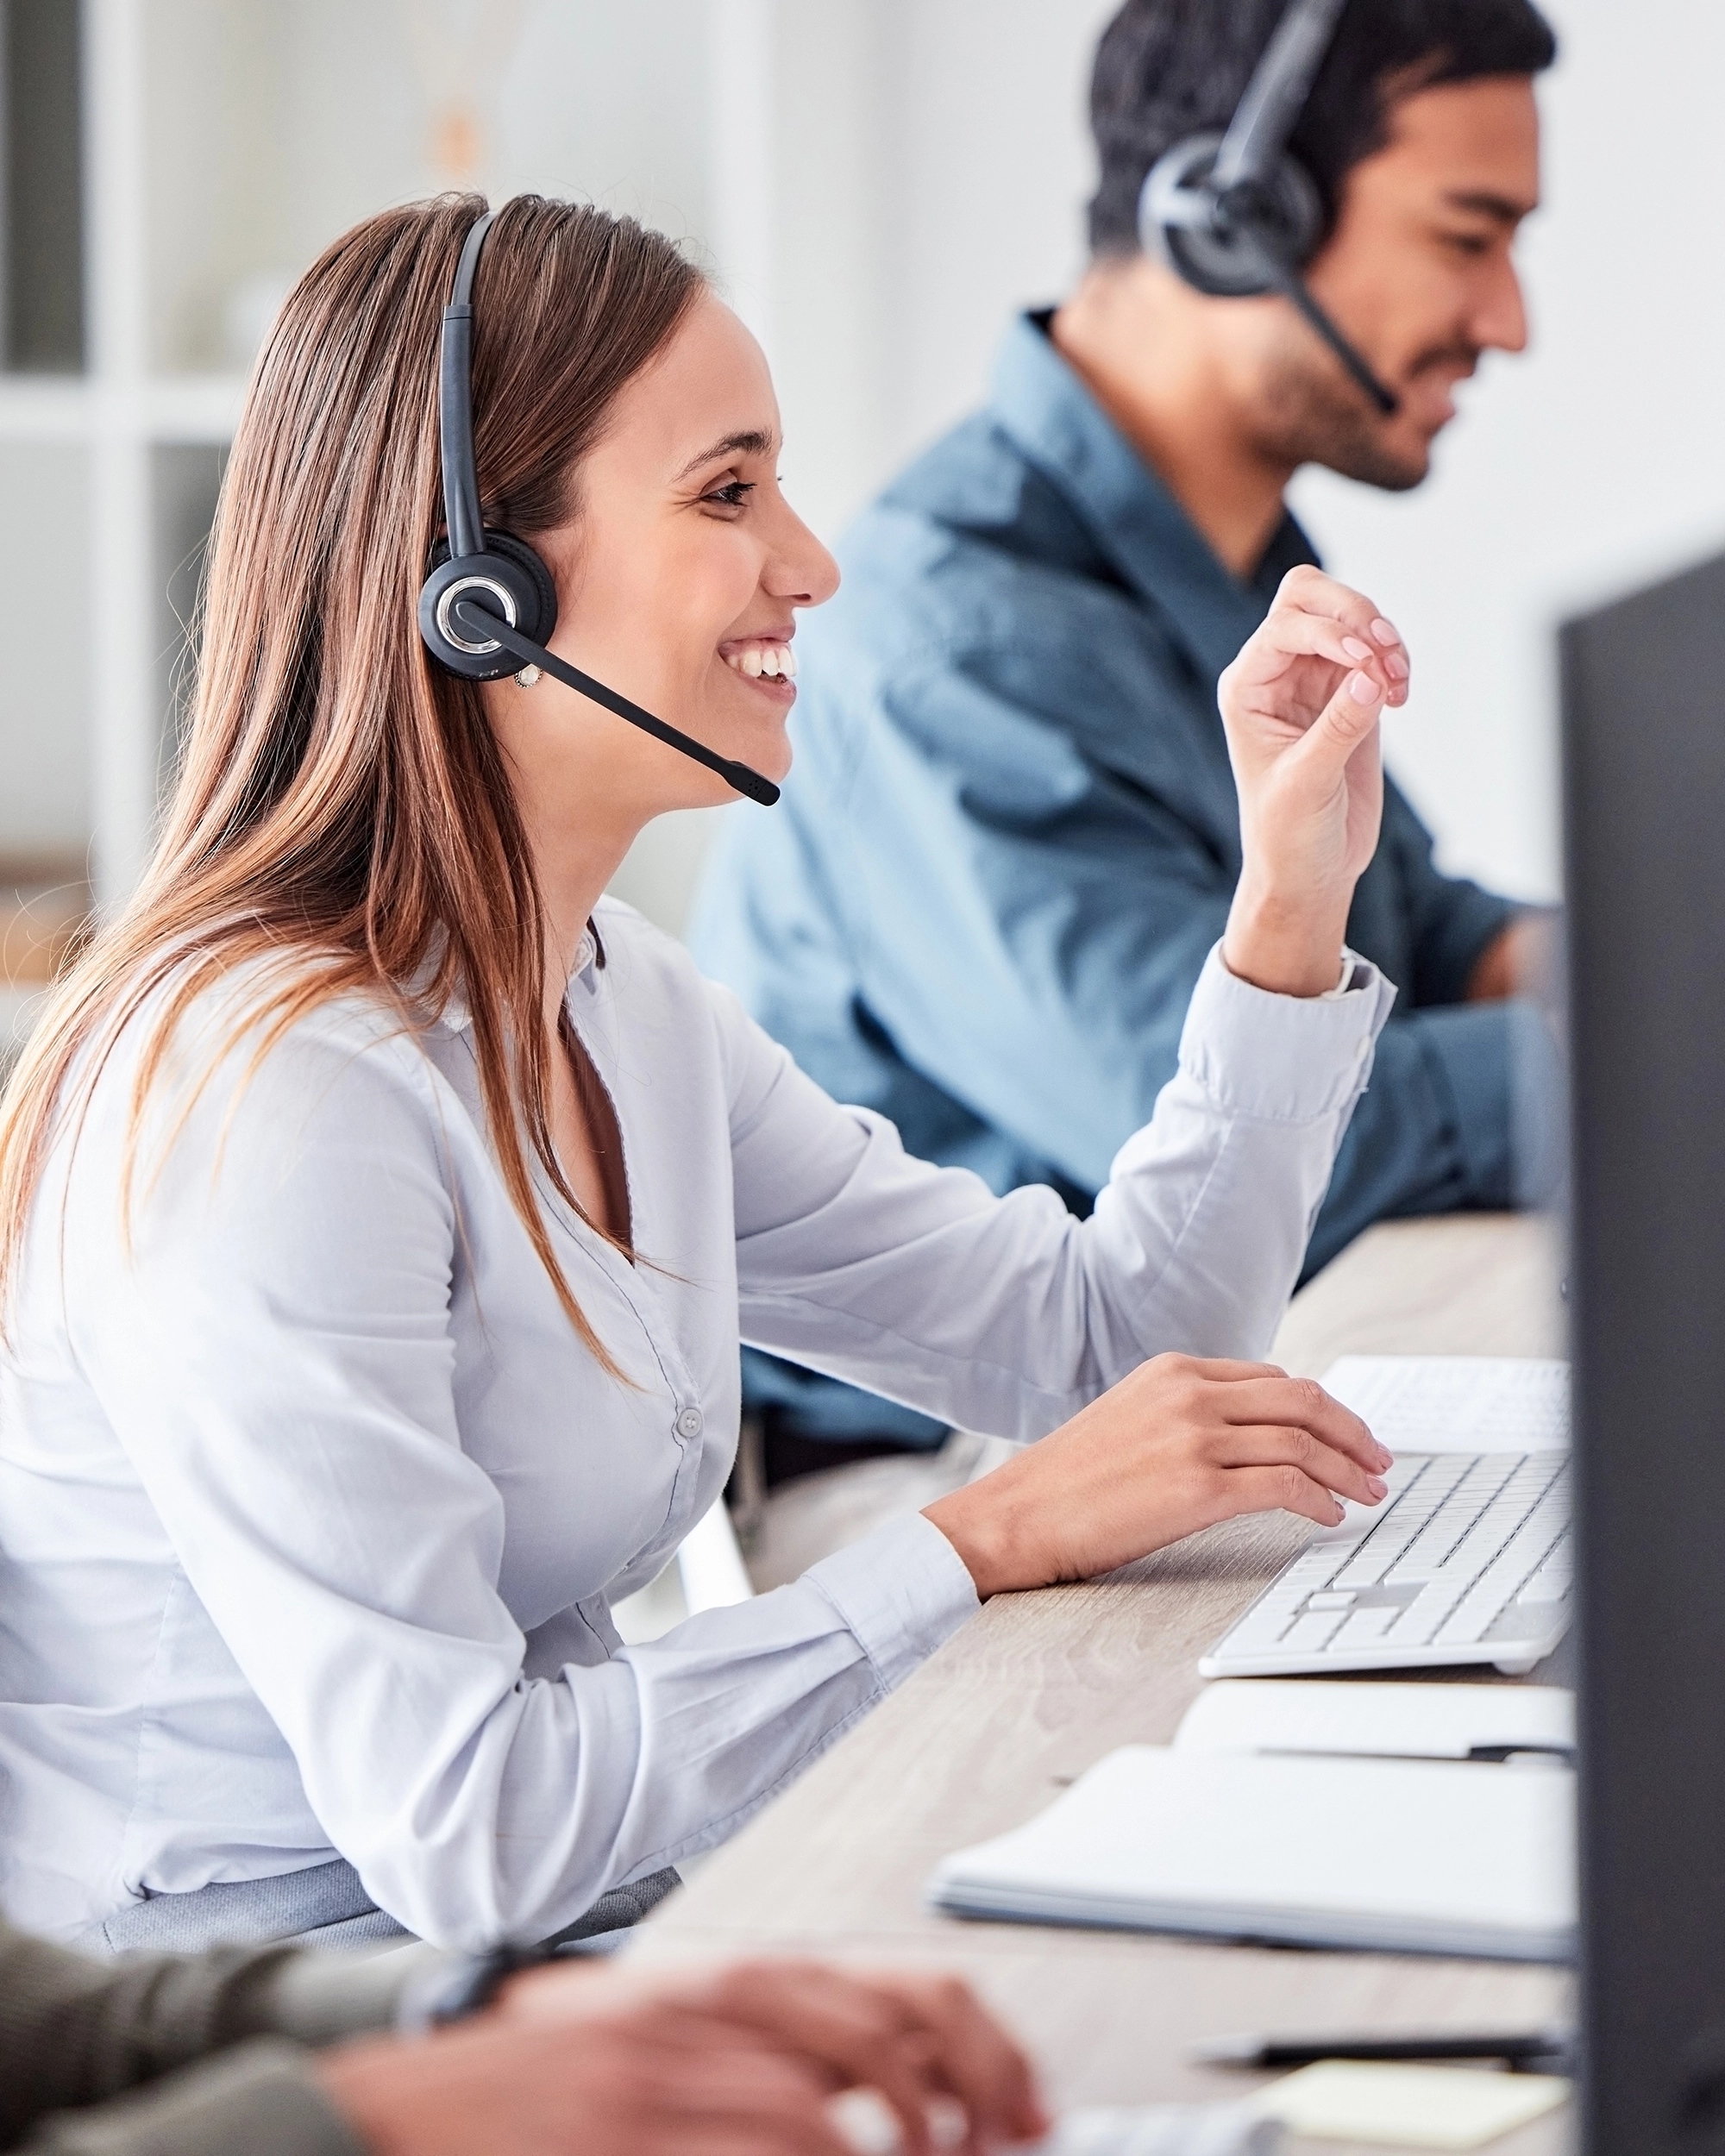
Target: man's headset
{"points": [[1234, 213], [489, 605]]}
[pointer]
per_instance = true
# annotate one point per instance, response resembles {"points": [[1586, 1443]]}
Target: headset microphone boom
{"points": [[489, 605]]}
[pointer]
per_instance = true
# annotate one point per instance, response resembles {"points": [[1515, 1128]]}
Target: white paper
{"points": [[1406, 2106]]}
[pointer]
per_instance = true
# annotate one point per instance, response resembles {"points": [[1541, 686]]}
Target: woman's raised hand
{"points": [[1178, 1445], [1301, 706]]}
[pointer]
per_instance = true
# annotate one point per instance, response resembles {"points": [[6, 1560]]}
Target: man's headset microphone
{"points": [[1232, 213]]}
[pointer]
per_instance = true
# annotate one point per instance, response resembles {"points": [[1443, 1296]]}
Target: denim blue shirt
{"points": [[1011, 835]]}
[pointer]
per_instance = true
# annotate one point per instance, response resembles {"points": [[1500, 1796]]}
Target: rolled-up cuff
{"points": [[902, 1591], [321, 1998], [260, 2096], [1278, 1058]]}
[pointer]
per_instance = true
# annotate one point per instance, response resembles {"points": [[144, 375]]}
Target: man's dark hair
{"points": [[1166, 69]]}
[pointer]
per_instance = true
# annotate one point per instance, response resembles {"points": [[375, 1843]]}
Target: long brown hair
{"points": [[343, 819]]}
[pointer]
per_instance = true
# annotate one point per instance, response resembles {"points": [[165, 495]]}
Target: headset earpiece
{"points": [[1234, 214], [1231, 246], [512, 580]]}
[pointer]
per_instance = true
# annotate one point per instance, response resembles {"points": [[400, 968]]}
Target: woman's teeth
{"points": [[770, 659]]}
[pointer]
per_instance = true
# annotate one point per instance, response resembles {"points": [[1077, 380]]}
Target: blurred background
{"points": [[876, 184]]}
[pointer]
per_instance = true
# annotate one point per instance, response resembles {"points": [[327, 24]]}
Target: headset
{"points": [[1234, 213], [489, 605]]}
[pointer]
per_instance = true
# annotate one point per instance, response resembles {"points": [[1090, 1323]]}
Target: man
{"points": [[214, 2055], [1010, 835]]}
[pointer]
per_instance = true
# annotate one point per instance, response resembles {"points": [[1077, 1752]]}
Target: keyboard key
{"points": [[1488, 1481], [1520, 1556], [1332, 1598], [1313, 1634], [1265, 1623], [1421, 1620], [1366, 1628]]}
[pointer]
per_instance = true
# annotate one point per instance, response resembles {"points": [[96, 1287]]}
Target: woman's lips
{"points": [[766, 663]]}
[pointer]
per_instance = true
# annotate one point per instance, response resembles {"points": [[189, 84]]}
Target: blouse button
{"points": [[691, 1423]]}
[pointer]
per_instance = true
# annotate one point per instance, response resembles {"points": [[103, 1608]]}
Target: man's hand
{"points": [[1301, 706], [741, 2060], [1522, 959], [1178, 1445]]}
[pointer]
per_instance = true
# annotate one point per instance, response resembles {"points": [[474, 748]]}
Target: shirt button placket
{"points": [[691, 1422]]}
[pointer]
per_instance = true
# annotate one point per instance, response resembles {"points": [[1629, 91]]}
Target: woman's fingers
{"points": [[1291, 633], [1282, 1490], [1272, 1444], [1308, 591], [1313, 616], [1302, 1403]]}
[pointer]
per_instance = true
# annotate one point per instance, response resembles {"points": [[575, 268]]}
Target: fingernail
{"points": [[1377, 1485], [1356, 648], [1395, 665], [1386, 631], [1364, 690], [1385, 1459]]}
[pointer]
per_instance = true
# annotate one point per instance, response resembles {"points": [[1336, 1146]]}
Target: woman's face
{"points": [[678, 582]]}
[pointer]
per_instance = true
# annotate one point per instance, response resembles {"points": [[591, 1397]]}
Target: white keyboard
{"points": [[1467, 1559]]}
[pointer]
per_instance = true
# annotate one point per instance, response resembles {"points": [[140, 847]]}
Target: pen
{"points": [[1536, 2051]]}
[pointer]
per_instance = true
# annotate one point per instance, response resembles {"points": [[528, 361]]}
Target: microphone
{"points": [[479, 622], [1293, 285]]}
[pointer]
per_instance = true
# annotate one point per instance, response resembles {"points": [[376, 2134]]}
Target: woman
{"points": [[380, 1206]]}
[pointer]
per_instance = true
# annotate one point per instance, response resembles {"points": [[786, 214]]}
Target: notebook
{"points": [[1388, 1722], [1390, 1855]]}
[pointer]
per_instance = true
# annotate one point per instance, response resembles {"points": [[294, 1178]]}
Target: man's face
{"points": [[1418, 275]]}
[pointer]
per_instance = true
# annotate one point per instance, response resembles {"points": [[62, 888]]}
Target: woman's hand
{"points": [[1301, 706], [1178, 1445]]}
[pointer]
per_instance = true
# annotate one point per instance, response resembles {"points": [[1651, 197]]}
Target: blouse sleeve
{"points": [[275, 1355], [1007, 1314]]}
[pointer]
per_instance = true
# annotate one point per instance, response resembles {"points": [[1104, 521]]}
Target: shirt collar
{"points": [[1060, 427], [589, 957]]}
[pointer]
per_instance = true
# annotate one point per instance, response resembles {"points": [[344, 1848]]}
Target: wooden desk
{"points": [[1036, 1687]]}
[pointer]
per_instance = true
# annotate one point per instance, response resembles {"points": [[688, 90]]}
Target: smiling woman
{"points": [[381, 1207]]}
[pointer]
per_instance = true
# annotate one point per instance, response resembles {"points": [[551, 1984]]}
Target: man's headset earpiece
{"points": [[1234, 213], [489, 605]]}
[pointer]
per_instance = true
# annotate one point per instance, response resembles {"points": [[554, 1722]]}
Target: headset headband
{"points": [[455, 404]]}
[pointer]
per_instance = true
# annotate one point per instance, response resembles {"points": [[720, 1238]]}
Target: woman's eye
{"points": [[732, 494]]}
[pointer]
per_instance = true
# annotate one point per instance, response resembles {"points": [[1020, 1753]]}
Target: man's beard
{"points": [[1313, 413]]}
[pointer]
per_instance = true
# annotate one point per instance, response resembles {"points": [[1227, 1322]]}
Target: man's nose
{"points": [[1499, 321]]}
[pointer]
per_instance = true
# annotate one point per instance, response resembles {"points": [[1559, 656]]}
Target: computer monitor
{"points": [[1644, 721]]}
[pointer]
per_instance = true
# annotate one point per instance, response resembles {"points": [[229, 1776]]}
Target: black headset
{"points": [[488, 605], [1234, 213]]}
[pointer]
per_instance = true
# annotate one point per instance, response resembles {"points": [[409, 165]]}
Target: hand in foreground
{"points": [[738, 2061], [1178, 1445], [1301, 706]]}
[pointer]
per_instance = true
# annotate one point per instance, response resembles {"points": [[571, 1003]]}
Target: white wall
{"points": [[927, 173], [882, 182]]}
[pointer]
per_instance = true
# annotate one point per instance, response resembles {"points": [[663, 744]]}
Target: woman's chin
{"points": [[758, 734]]}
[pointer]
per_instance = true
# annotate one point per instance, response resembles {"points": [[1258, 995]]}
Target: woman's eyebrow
{"points": [[751, 442]]}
